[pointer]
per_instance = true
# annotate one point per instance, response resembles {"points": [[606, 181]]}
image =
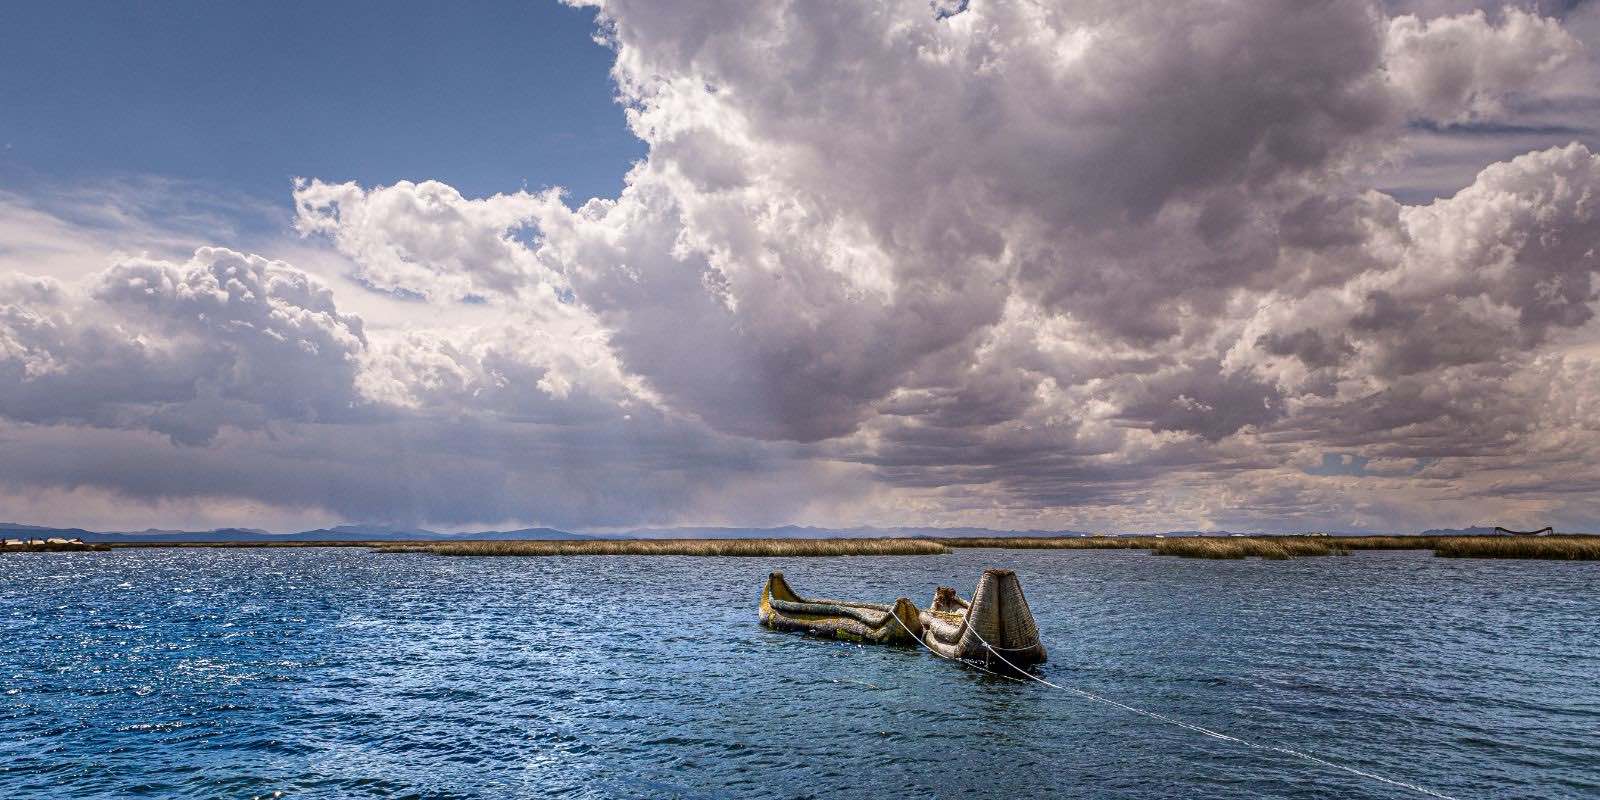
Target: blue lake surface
{"points": [[342, 673]]}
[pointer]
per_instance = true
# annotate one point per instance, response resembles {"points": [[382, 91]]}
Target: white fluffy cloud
{"points": [[425, 240], [1461, 67], [994, 262], [222, 339]]}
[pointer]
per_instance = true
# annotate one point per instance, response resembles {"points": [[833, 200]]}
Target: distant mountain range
{"points": [[368, 533], [1476, 530], [342, 533], [809, 532]]}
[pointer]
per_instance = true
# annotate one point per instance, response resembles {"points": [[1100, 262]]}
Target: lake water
{"points": [[340, 673]]}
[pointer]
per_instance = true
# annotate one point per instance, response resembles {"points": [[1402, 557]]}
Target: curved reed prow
{"points": [[785, 609], [997, 617], [778, 588]]}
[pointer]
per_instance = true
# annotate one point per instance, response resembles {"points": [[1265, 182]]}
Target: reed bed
{"points": [[1276, 548], [1560, 547], [1391, 542], [1047, 542], [782, 548], [1570, 548]]}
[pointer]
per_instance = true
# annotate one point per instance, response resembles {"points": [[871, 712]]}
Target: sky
{"points": [[491, 97], [617, 263]]}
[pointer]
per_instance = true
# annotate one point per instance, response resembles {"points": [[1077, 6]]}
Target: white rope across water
{"points": [[1164, 718]]}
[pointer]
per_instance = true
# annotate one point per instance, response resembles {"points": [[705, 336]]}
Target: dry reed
{"points": [[1276, 548], [1390, 542], [675, 547], [1567, 547], [1571, 548], [1047, 542]]}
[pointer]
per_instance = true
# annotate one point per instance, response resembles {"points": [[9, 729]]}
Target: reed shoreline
{"points": [[1049, 542], [1272, 549], [1277, 548], [675, 547], [1572, 547]]}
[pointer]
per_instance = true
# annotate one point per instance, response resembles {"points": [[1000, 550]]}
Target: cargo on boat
{"points": [[995, 626]]}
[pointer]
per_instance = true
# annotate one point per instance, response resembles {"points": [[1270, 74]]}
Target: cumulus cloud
{"points": [[1456, 68], [231, 381], [525, 372], [1471, 279], [998, 262], [425, 240], [184, 348]]}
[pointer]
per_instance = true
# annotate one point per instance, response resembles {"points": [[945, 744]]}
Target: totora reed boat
{"points": [[996, 624]]}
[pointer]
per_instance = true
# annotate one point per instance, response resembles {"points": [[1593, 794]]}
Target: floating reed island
{"points": [[675, 547], [51, 545], [1277, 548], [1575, 547], [1561, 547], [1050, 542], [1512, 544], [1570, 548], [996, 625]]}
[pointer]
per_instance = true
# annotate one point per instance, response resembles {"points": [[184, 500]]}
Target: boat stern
{"points": [[997, 617]]}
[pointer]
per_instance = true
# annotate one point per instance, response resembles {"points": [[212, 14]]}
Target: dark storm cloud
{"points": [[1311, 347], [1204, 401]]}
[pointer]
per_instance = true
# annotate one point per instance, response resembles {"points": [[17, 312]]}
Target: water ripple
{"points": [[336, 673]]}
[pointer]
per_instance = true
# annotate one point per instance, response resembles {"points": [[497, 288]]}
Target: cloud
{"points": [[183, 348], [233, 381], [452, 473], [1462, 67], [425, 240], [999, 262], [524, 372], [855, 229], [1477, 278]]}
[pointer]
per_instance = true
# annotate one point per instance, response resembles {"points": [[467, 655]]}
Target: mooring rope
{"points": [[1164, 718]]}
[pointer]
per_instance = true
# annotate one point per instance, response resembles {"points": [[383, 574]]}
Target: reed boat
{"points": [[895, 623], [995, 626]]}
